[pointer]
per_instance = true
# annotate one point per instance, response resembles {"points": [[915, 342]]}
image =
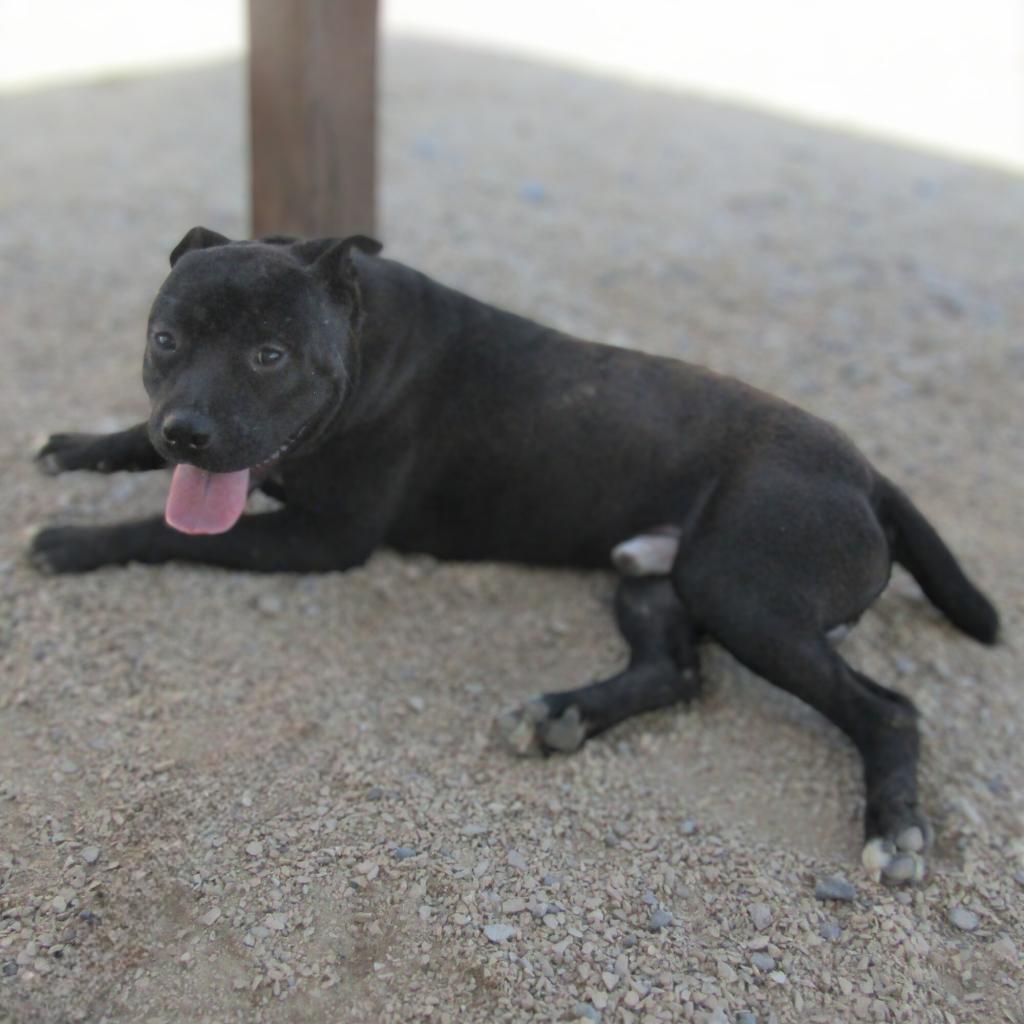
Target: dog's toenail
{"points": [[911, 839], [565, 733], [906, 867]]}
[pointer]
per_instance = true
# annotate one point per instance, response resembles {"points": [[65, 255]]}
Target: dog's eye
{"points": [[164, 341], [269, 356]]}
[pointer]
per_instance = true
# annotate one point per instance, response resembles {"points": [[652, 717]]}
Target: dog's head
{"points": [[249, 356]]}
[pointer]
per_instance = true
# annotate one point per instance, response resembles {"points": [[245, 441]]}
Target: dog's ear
{"points": [[333, 260], [197, 238], [333, 264]]}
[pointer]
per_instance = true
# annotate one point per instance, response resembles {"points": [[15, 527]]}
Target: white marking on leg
{"points": [[875, 857], [649, 554]]}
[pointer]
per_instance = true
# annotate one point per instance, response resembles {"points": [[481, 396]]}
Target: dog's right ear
{"points": [[197, 238]]}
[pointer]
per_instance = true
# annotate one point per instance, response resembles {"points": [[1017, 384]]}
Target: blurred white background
{"points": [[945, 74]]}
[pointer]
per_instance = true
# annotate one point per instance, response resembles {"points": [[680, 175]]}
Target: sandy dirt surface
{"points": [[226, 797]]}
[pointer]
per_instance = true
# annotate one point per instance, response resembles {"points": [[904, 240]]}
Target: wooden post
{"points": [[312, 94]]}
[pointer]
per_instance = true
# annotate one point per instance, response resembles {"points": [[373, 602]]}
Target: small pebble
{"points": [[763, 962], [517, 860], [835, 887], [498, 933], [404, 852], [760, 914], [658, 920], [745, 1018], [830, 930], [10, 969], [269, 604], [586, 1011], [965, 920], [91, 854], [426, 147], [533, 192], [714, 1017]]}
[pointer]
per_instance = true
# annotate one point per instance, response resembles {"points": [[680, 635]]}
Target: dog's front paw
{"points": [[899, 858], [533, 729], [65, 452], [67, 549]]}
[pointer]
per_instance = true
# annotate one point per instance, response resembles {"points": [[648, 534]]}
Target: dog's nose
{"points": [[187, 431]]}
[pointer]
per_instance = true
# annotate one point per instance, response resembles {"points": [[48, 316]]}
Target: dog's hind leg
{"points": [[767, 576], [882, 724], [101, 453], [662, 670]]}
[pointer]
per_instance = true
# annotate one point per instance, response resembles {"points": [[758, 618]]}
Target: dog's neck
{"points": [[388, 351]]}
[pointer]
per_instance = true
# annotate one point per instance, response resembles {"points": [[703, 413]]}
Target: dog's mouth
{"points": [[202, 502]]}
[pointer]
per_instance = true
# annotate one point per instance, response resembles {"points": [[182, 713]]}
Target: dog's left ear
{"points": [[334, 263], [334, 266], [197, 238]]}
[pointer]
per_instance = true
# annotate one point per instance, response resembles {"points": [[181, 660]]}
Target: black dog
{"points": [[385, 409]]}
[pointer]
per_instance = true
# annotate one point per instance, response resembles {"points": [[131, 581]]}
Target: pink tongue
{"points": [[201, 502]]}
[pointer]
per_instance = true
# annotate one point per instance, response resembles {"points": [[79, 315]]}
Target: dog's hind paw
{"points": [[897, 861], [533, 729]]}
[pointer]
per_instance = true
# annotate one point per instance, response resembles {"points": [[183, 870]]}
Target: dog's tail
{"points": [[919, 549]]}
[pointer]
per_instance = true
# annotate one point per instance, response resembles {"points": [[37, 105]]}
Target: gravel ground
{"points": [[233, 798]]}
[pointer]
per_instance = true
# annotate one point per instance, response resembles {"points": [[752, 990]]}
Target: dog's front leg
{"points": [[282, 541], [102, 453]]}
